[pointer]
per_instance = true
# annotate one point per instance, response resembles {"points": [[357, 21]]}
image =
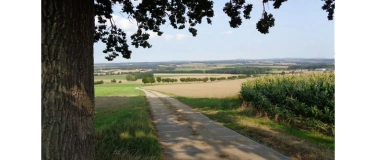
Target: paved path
{"points": [[187, 134]]}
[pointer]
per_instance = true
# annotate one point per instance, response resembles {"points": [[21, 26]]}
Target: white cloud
{"points": [[181, 36], [124, 23], [227, 32], [121, 22], [168, 36], [152, 34], [174, 37]]}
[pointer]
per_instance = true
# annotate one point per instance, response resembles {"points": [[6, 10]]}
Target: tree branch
{"points": [[112, 25]]}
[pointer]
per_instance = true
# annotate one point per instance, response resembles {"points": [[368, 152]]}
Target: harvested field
{"points": [[219, 89]]}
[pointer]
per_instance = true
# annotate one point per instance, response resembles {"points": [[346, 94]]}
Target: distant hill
{"points": [[307, 60]]}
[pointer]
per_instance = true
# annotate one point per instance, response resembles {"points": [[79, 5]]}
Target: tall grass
{"points": [[123, 127], [306, 101]]}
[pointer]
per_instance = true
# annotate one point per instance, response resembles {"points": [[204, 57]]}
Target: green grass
{"points": [[226, 111], [117, 89], [123, 127]]}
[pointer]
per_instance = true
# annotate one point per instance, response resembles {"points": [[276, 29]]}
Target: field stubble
{"points": [[217, 89]]}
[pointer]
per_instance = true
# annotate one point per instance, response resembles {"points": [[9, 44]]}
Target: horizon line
{"points": [[209, 60]]}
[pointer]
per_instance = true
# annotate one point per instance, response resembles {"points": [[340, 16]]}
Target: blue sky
{"points": [[301, 31]]}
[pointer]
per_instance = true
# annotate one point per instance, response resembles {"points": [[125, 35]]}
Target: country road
{"points": [[187, 134]]}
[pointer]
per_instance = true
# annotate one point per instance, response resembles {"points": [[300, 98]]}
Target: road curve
{"points": [[187, 134]]}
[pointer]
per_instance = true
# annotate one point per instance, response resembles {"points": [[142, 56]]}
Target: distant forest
{"points": [[312, 66], [236, 70]]}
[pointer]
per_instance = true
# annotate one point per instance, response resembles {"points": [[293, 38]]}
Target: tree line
{"points": [[240, 70], [311, 66], [151, 80], [235, 70], [138, 75]]}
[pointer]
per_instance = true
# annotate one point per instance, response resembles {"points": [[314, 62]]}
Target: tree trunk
{"points": [[67, 79]]}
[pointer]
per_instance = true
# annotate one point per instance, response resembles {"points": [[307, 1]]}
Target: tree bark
{"points": [[67, 79]]}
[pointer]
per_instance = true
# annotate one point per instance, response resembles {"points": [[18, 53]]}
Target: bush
{"points": [[98, 82], [113, 81]]}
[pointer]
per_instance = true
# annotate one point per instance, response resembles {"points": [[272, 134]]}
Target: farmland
{"points": [[304, 100], [221, 89], [108, 78], [182, 75], [225, 101], [210, 66]]}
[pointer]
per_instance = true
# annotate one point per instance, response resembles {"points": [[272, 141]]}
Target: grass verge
{"points": [[117, 89], [123, 127]]}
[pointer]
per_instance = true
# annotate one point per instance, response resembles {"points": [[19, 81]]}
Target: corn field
{"points": [[305, 100]]}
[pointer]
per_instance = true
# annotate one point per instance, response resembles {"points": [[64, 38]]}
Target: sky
{"points": [[301, 30]]}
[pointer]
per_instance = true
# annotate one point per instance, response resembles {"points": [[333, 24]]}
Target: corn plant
{"points": [[307, 97]]}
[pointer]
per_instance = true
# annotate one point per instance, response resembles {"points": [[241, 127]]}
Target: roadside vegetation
{"points": [[123, 127], [293, 142], [304, 101]]}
